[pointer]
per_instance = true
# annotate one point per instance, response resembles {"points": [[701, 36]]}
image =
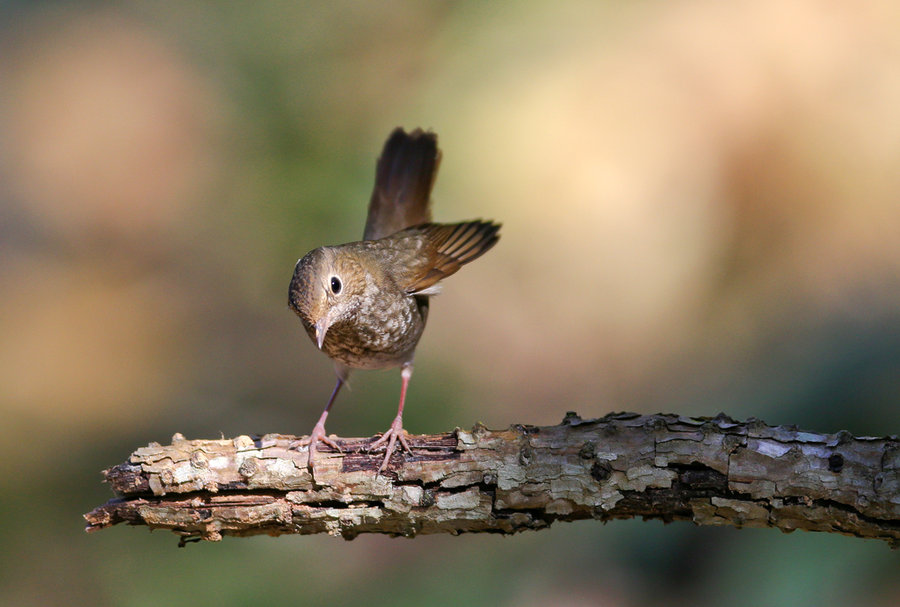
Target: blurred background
{"points": [[701, 210]]}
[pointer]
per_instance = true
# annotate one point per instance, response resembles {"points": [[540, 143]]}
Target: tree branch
{"points": [[712, 471]]}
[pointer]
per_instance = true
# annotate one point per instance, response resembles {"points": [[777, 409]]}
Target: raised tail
{"points": [[404, 177]]}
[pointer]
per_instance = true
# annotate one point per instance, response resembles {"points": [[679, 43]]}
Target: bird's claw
{"points": [[394, 433], [316, 436]]}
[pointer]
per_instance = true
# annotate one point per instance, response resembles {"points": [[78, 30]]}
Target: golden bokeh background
{"points": [[701, 213]]}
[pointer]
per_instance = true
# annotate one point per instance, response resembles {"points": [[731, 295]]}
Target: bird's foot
{"points": [[394, 433], [317, 435]]}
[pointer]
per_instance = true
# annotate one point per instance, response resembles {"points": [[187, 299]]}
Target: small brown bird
{"points": [[365, 303]]}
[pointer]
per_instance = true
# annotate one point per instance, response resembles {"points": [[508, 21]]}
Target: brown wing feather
{"points": [[404, 177], [448, 247]]}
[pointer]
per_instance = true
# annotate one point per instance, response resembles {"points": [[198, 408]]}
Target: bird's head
{"points": [[327, 288]]}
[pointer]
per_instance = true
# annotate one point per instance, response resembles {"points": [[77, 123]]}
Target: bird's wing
{"points": [[442, 249], [404, 177]]}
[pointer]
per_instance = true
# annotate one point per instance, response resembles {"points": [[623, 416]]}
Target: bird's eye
{"points": [[335, 285]]}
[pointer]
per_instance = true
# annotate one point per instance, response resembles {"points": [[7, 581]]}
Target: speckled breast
{"points": [[384, 336]]}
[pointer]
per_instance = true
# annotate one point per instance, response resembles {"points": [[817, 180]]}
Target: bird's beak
{"points": [[321, 329]]}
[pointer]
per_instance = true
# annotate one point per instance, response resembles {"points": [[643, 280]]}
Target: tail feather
{"points": [[404, 178]]}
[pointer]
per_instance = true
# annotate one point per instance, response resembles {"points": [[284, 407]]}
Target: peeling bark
{"points": [[712, 471]]}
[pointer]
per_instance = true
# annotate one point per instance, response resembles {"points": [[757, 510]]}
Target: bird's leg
{"points": [[318, 432], [396, 431]]}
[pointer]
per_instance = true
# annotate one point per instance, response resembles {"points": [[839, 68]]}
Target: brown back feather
{"points": [[449, 247], [404, 177]]}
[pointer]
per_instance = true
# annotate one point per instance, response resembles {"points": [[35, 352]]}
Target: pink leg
{"points": [[396, 431], [318, 432]]}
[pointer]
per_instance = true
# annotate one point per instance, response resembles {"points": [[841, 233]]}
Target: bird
{"points": [[365, 303]]}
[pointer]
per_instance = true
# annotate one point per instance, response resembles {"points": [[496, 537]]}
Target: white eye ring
{"points": [[336, 285]]}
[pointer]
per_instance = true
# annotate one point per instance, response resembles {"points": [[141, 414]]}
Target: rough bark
{"points": [[712, 471]]}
